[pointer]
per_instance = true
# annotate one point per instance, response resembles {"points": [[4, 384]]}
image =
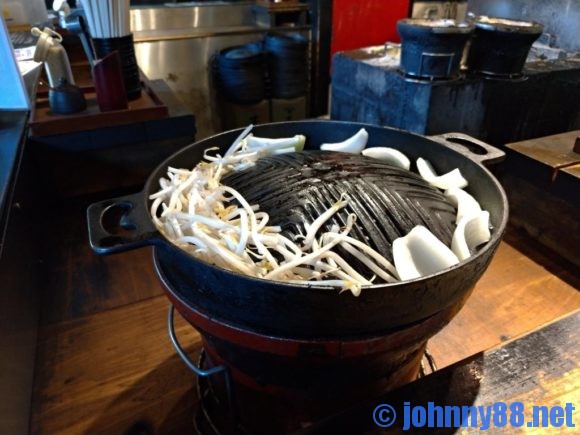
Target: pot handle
{"points": [[470, 147], [196, 368], [132, 217]]}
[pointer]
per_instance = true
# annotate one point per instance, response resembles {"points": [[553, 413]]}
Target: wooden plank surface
{"points": [[113, 367], [109, 372], [515, 295], [79, 282], [541, 368], [43, 122], [555, 151]]}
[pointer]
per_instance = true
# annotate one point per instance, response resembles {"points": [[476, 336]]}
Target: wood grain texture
{"points": [[556, 150], [550, 216], [79, 282], [106, 372], [108, 364], [43, 122], [541, 368], [516, 294]]}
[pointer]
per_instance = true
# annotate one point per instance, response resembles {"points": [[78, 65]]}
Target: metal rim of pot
{"points": [[440, 26], [507, 25]]}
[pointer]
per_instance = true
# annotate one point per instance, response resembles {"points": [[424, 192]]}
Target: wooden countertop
{"points": [[555, 151], [538, 369], [105, 363]]}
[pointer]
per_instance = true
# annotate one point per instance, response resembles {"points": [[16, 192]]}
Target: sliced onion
{"points": [[389, 155], [354, 144], [421, 253], [466, 204], [283, 150], [297, 142], [445, 181], [471, 232]]}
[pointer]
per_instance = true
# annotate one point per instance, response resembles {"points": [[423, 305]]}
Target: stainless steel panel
{"points": [[176, 44], [196, 15], [559, 17], [184, 65]]}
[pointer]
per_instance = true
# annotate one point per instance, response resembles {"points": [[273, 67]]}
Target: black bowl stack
{"points": [[287, 64], [239, 73]]}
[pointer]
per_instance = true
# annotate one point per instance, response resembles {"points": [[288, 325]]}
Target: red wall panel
{"points": [[361, 23]]}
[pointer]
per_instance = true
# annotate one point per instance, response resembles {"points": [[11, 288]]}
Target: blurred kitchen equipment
{"points": [[432, 48], [239, 73], [501, 106], [559, 17], [16, 12], [287, 64], [66, 98], [107, 18], [500, 46], [13, 93], [62, 8], [109, 83], [50, 51], [110, 27], [77, 25], [437, 9]]}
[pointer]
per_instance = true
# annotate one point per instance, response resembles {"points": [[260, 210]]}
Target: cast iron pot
{"points": [[309, 311], [432, 48], [500, 46]]}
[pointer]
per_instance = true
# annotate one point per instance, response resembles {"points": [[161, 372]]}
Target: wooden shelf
{"points": [[43, 122]]}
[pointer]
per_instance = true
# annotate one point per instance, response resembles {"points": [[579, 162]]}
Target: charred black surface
{"points": [[296, 188]]}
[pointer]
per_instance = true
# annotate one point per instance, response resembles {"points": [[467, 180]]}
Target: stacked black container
{"points": [[124, 45], [432, 49], [240, 73], [287, 64], [500, 46]]}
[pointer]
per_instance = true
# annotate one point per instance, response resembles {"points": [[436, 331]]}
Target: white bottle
{"points": [[50, 51]]}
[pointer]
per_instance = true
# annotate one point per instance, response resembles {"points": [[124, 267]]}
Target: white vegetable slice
{"points": [[389, 155], [421, 253], [471, 232], [297, 142], [354, 144], [238, 142], [283, 150], [445, 181], [466, 204]]}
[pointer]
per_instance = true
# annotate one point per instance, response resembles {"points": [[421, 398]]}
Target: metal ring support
{"points": [[197, 370]]}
